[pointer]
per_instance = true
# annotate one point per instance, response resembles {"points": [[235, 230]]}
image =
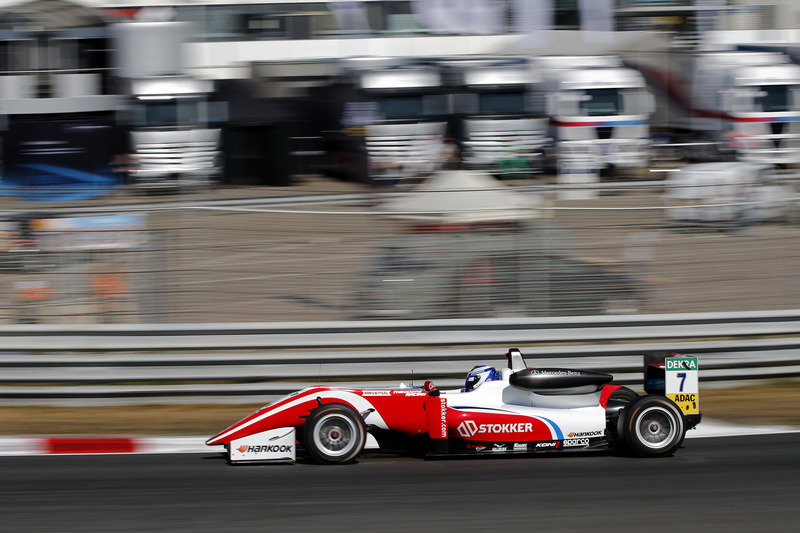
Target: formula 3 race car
{"points": [[514, 410]]}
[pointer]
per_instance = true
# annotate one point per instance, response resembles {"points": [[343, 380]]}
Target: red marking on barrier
{"points": [[89, 445]]}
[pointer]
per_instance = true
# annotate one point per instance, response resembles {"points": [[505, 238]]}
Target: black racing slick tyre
{"points": [[623, 394], [618, 400], [653, 426], [334, 434]]}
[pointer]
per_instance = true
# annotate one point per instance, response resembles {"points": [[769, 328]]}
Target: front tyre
{"points": [[334, 434], [653, 426]]}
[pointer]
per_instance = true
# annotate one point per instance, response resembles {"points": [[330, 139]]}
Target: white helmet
{"points": [[478, 375]]}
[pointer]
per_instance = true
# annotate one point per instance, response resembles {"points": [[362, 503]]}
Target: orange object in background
{"points": [[109, 285], [110, 290], [29, 297], [33, 291]]}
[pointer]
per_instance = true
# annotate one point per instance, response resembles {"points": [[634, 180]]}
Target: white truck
{"points": [[726, 104], [395, 107], [491, 115], [598, 110], [168, 113]]}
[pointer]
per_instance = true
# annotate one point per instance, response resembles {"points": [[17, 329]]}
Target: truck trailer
{"points": [[168, 114], [727, 104], [491, 115], [598, 110], [387, 120]]}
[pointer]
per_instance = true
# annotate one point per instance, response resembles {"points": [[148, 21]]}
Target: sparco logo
{"points": [[576, 442], [468, 428], [264, 448]]}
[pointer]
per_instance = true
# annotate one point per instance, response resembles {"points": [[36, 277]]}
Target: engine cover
{"points": [[559, 380]]}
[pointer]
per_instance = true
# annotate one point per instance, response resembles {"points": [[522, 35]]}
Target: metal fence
{"points": [[343, 258], [258, 362]]}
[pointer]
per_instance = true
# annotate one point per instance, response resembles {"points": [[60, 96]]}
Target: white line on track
{"points": [[715, 428], [32, 445]]}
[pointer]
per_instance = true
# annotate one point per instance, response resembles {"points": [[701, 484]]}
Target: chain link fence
{"points": [[186, 262]]}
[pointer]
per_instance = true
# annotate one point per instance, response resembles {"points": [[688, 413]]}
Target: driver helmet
{"points": [[478, 375]]}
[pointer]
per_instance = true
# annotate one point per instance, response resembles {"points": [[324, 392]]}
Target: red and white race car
{"points": [[512, 410]]}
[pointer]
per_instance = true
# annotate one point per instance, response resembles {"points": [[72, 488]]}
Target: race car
{"points": [[513, 410]]}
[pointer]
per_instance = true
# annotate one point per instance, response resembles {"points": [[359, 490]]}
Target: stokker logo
{"points": [[265, 448], [468, 428]]}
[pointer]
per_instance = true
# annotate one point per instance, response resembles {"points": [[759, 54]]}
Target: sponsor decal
{"points": [[265, 448], [520, 447], [271, 445], [682, 384], [469, 428], [476, 447], [684, 397], [681, 364], [575, 434], [687, 402], [575, 442], [376, 393], [499, 448], [553, 444], [411, 392], [436, 417], [443, 416], [556, 372]]}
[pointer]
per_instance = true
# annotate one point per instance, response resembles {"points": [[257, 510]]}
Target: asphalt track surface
{"points": [[732, 484]]}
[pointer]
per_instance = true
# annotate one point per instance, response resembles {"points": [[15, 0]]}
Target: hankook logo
{"points": [[264, 448]]}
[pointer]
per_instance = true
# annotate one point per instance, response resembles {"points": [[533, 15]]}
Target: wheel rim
{"points": [[335, 435], [656, 427]]}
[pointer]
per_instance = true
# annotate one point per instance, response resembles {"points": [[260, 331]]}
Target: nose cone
{"points": [[226, 435], [215, 440]]}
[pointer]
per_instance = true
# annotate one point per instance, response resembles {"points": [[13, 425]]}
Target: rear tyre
{"points": [[618, 400], [653, 426], [623, 394], [334, 434]]}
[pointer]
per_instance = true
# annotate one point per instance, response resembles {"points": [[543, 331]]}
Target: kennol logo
{"points": [[468, 428]]}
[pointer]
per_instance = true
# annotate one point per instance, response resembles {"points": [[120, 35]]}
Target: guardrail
{"points": [[198, 363]]}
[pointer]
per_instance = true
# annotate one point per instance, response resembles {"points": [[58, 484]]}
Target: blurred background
{"points": [[206, 205], [301, 161]]}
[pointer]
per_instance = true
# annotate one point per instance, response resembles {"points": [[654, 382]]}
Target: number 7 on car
{"points": [[682, 383]]}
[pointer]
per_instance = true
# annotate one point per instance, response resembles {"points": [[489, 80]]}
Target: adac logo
{"points": [[467, 428]]}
